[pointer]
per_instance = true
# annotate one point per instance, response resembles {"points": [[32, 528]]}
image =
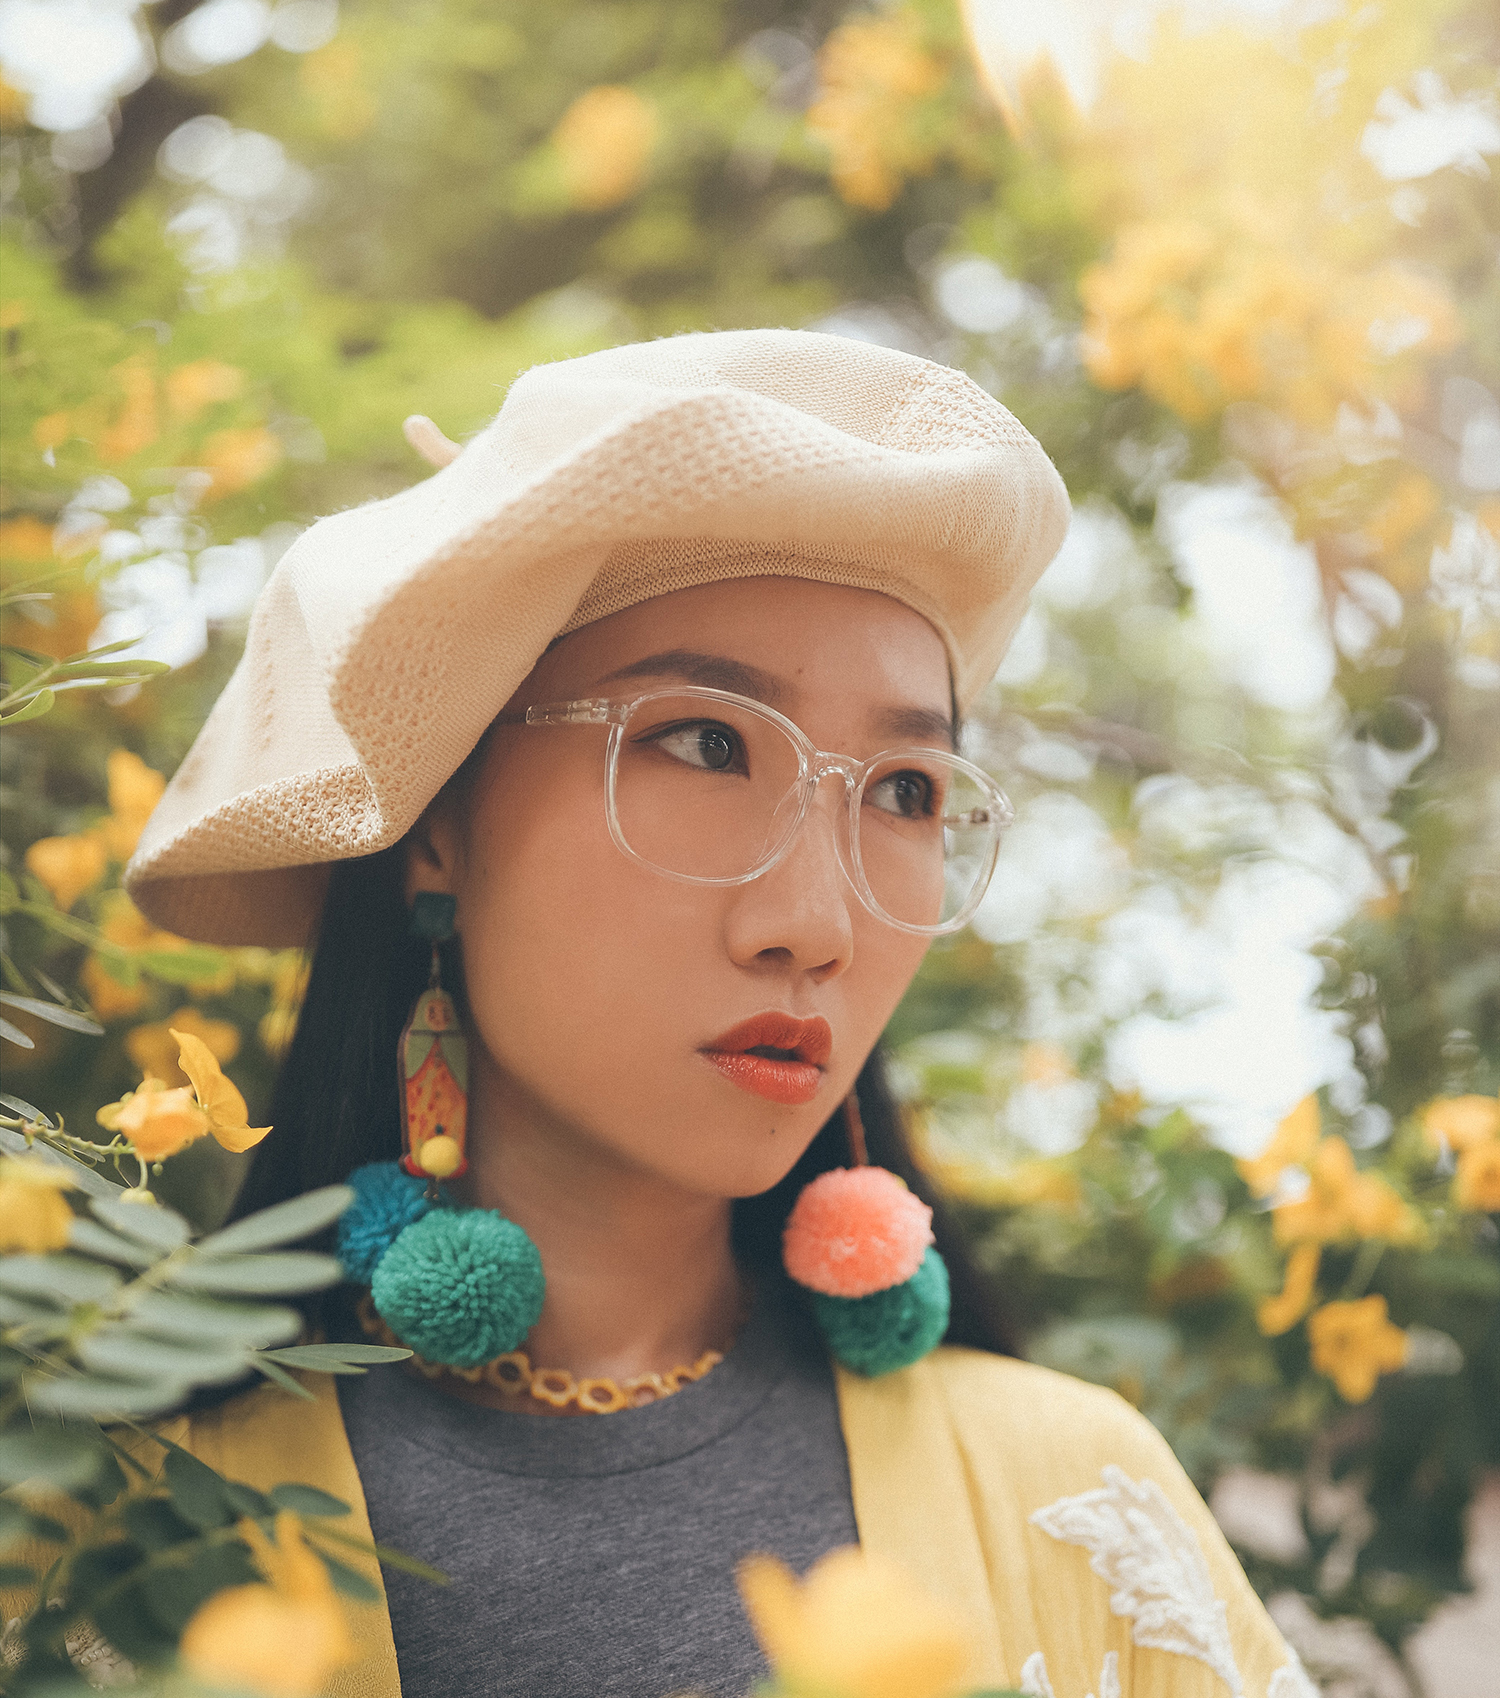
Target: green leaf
{"points": [[282, 1378], [94, 1240], [14, 1035], [132, 1355], [349, 1581], [148, 1223], [336, 1358], [53, 1456], [392, 1558], [173, 1594], [273, 1274], [112, 671], [90, 1394], [84, 1178], [307, 1500], [283, 1224], [17, 1312], [246, 1501], [57, 1279], [15, 1576], [180, 966], [171, 1314], [197, 1491], [53, 1013], [155, 1525], [42, 702], [26, 1110]]}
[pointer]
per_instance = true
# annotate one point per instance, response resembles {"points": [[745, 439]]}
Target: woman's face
{"points": [[599, 989]]}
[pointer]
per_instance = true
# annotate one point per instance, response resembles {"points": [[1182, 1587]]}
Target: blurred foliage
{"points": [[1250, 724]]}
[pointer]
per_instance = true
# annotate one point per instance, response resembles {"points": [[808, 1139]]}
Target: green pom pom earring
{"points": [[458, 1286]]}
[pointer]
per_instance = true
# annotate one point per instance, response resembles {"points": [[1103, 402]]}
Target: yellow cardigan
{"points": [[1047, 1510]]}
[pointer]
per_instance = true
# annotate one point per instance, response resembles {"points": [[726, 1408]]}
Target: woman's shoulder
{"points": [[1001, 1399]]}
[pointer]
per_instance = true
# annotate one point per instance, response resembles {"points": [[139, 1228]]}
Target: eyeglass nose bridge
{"points": [[818, 766]]}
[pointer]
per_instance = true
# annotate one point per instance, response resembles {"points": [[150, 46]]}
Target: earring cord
{"points": [[855, 1127]]}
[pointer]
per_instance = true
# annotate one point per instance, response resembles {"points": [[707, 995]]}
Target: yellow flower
{"points": [[875, 74], [34, 1214], [1461, 1123], [68, 866], [1476, 1185], [856, 1627], [1354, 1344], [153, 1048], [604, 141], [158, 1122], [239, 458], [1281, 1313], [108, 997], [282, 1638], [136, 427], [134, 790], [200, 384], [227, 1115], [1292, 1143], [1341, 1203]]}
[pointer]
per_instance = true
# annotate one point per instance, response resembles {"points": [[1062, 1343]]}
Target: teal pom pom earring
{"points": [[861, 1242], [459, 1286]]}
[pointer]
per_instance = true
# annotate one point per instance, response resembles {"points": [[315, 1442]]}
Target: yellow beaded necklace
{"points": [[513, 1376]]}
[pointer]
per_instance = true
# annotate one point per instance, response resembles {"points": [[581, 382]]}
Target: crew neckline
{"points": [[777, 1338]]}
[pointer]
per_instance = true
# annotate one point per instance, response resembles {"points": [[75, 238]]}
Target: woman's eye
{"points": [[909, 794], [706, 745]]}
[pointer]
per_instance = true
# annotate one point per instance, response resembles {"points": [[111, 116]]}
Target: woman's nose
{"points": [[799, 914]]}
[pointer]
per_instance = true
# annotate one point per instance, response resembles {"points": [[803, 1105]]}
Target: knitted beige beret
{"points": [[388, 637]]}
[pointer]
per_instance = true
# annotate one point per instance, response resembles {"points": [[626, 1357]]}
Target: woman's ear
{"points": [[432, 853]]}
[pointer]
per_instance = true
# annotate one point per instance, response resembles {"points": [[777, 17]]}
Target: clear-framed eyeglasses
{"points": [[708, 787]]}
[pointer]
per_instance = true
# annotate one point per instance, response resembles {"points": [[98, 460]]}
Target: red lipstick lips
{"points": [[774, 1056]]}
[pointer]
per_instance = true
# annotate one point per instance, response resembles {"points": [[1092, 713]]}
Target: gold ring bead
{"points": [[509, 1373], [553, 1385], [601, 1397]]}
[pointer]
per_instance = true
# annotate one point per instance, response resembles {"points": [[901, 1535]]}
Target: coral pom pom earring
{"points": [[860, 1241]]}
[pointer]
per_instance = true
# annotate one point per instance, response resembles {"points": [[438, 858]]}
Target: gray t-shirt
{"points": [[594, 1556]]}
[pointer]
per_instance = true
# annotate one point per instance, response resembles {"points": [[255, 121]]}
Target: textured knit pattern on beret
{"points": [[389, 636]]}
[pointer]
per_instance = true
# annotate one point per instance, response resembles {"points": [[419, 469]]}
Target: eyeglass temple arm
{"points": [[586, 712]]}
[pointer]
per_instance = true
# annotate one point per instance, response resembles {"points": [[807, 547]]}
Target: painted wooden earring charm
{"points": [[434, 1061]]}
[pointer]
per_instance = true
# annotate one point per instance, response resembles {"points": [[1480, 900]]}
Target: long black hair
{"points": [[335, 1105]]}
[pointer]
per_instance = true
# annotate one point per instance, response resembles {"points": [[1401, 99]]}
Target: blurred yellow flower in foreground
{"points": [[282, 1638], [109, 998], [1476, 1185], [1354, 1344], [68, 866], [1291, 1145], [154, 1048], [1279, 1314], [604, 142], [227, 1115], [157, 1121], [34, 1214], [856, 1627], [1461, 1123]]}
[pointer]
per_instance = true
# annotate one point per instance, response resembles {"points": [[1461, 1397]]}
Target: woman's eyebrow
{"points": [[719, 672], [711, 671]]}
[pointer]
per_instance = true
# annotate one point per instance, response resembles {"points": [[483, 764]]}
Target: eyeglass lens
{"points": [[711, 790]]}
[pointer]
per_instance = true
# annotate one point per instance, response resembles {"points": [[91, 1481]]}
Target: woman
{"points": [[650, 698]]}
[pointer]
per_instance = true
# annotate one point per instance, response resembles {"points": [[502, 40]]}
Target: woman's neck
{"points": [[640, 1274]]}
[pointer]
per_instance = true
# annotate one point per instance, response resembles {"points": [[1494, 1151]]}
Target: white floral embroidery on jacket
{"points": [[1036, 1684], [1154, 1566]]}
